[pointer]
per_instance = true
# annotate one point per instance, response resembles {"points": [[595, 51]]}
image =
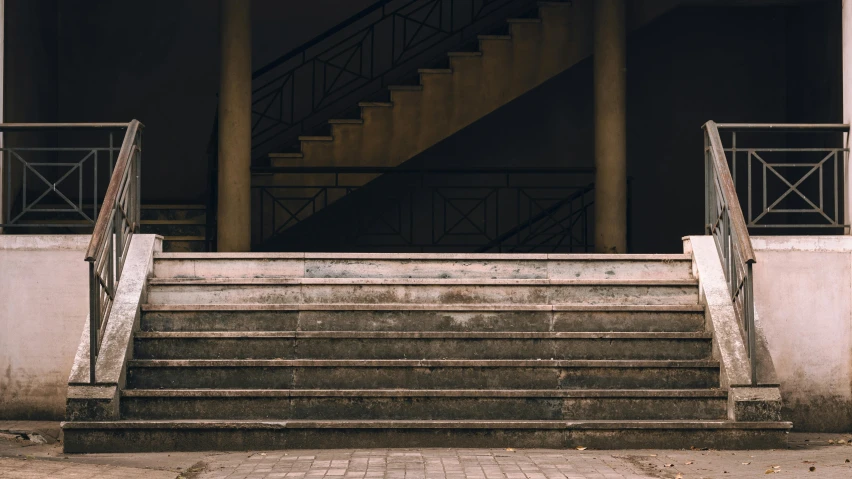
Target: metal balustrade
{"points": [[117, 222], [55, 174], [427, 209], [724, 218]]}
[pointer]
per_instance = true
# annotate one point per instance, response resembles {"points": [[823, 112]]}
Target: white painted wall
{"points": [[803, 298], [43, 308]]}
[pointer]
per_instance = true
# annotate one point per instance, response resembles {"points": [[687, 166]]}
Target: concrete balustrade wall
{"points": [[803, 298], [43, 309]]}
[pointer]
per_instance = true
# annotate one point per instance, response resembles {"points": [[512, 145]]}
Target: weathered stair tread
{"points": [[429, 424], [420, 363], [476, 393], [422, 307], [420, 335], [420, 281], [433, 256]]}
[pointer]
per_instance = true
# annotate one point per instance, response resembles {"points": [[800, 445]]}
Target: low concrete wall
{"points": [[803, 298], [43, 307]]}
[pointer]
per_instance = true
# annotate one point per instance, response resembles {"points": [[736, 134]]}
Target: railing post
{"points": [[748, 306], [94, 319]]}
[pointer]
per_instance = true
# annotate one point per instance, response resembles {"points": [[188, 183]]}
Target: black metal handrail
{"points": [[471, 209], [54, 174], [351, 61], [117, 222], [771, 165]]}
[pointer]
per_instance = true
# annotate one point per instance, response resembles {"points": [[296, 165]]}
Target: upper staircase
{"points": [[251, 351], [410, 118]]}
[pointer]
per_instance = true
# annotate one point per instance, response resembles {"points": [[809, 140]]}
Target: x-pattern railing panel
{"points": [[779, 153], [784, 184], [55, 187], [463, 210]]}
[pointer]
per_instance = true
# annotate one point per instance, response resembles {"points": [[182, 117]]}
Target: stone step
{"points": [[395, 290], [421, 374], [240, 435], [422, 317], [171, 228], [398, 404], [426, 265], [420, 345]]}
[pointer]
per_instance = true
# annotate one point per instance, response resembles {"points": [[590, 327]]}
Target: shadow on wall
{"points": [[157, 61], [728, 64]]}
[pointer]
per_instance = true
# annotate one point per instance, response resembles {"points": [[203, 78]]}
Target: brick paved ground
{"points": [[21, 458]]}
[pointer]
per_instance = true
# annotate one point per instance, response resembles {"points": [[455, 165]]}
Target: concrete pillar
{"points": [[234, 202], [846, 38], [610, 127]]}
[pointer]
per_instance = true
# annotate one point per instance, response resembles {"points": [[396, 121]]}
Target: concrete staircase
{"points": [[250, 351], [182, 226]]}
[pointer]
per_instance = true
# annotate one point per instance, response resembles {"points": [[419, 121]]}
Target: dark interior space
{"points": [[157, 62]]}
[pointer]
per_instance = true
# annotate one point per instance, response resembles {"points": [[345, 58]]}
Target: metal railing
{"points": [[790, 176], [724, 218], [117, 222], [55, 173], [426, 209], [352, 61]]}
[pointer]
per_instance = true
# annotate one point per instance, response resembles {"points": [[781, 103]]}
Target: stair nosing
{"points": [[419, 307], [449, 393], [284, 280], [484, 335], [430, 363], [184, 222], [436, 256], [316, 138], [704, 424]]}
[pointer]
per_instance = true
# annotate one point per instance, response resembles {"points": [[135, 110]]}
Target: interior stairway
{"points": [[183, 227], [273, 351], [528, 52]]}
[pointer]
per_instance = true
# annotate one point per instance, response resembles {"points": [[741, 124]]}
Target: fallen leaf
{"points": [[776, 467], [831, 441], [652, 455], [746, 463], [770, 471], [841, 441], [510, 449], [581, 448], [689, 463], [668, 465]]}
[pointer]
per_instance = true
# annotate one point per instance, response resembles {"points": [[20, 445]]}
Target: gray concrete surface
{"points": [[801, 291], [43, 307], [827, 454]]}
